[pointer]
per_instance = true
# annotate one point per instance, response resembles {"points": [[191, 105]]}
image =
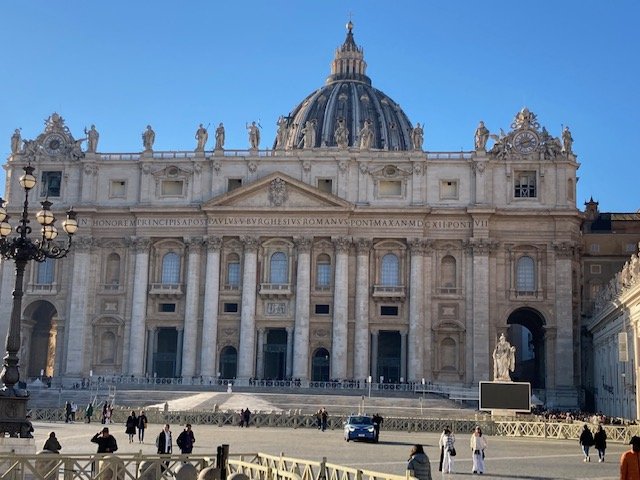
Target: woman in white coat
{"points": [[447, 444], [478, 444]]}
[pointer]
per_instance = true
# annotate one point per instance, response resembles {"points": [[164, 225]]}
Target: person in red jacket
{"points": [[630, 461]]}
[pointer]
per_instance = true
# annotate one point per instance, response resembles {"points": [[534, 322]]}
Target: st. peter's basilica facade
{"points": [[344, 251]]}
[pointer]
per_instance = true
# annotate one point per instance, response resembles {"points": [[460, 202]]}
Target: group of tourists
{"points": [[598, 440], [419, 465], [136, 424], [164, 441]]}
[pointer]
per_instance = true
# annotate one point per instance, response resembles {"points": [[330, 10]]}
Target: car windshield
{"points": [[360, 420]]}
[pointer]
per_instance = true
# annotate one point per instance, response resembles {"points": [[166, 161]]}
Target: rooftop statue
{"points": [[366, 136], [417, 137], [202, 135], [341, 134], [504, 360], [220, 137], [282, 133], [567, 141], [308, 135], [92, 139], [481, 136], [148, 137], [254, 135], [16, 141]]}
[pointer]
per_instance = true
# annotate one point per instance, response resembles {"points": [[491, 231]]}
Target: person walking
{"points": [[600, 442], [106, 442], [88, 412], [447, 444], [142, 426], [164, 441], [246, 417], [586, 441], [105, 409], [478, 445], [74, 410], [419, 465], [67, 412], [630, 461], [131, 424], [186, 439], [52, 444], [441, 445], [324, 416]]}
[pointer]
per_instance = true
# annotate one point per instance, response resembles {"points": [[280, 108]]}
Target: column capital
{"points": [[250, 243], [194, 244], [261, 330], [481, 246], [212, 243], [139, 244], [83, 244], [363, 245], [341, 244], [303, 244], [419, 246], [289, 330], [564, 249]]}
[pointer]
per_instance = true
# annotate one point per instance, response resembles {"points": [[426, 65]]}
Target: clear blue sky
{"points": [[124, 64]]}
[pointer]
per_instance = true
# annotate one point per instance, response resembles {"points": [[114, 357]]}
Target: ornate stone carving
{"points": [[90, 169], [342, 244], [364, 168], [363, 245], [145, 168], [419, 246], [481, 136], [139, 244], [343, 165], [303, 244], [481, 246], [83, 244], [278, 193], [504, 360], [418, 169], [213, 243], [253, 166], [341, 134], [306, 166], [417, 137], [194, 244], [479, 167], [564, 249], [217, 166], [250, 243]]}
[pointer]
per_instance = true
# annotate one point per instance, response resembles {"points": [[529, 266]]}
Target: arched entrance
{"points": [[228, 363], [320, 365], [526, 333], [41, 339]]}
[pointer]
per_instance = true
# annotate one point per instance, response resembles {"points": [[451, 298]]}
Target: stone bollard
{"points": [[47, 468], [111, 467], [186, 471], [237, 476], [209, 473], [149, 470]]}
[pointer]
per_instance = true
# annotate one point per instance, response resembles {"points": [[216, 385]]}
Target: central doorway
{"points": [[166, 354], [389, 346], [275, 354]]}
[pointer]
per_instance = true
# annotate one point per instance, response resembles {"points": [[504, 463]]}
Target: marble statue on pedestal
{"points": [[504, 360]]}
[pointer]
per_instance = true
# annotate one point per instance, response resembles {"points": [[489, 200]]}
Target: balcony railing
{"points": [[165, 289], [389, 291], [231, 288], [275, 289], [42, 288], [449, 291]]}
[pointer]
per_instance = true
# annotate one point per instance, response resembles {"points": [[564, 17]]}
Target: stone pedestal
{"points": [[13, 414]]}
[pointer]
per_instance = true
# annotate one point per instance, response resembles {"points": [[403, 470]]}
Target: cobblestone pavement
{"points": [[507, 458]]}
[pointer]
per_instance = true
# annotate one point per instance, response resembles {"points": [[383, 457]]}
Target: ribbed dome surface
{"points": [[347, 97]]}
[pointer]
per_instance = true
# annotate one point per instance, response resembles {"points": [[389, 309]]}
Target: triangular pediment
{"points": [[277, 191]]}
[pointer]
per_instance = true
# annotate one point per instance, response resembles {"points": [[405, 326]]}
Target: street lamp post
{"points": [[369, 385], [21, 248]]}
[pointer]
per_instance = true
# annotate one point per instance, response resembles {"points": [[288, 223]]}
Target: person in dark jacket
{"points": [[132, 423], [164, 440], [142, 425], [600, 442], [586, 441], [52, 444], [419, 465], [186, 439], [106, 442]]}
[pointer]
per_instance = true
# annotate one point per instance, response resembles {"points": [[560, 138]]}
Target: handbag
{"points": [[452, 452]]}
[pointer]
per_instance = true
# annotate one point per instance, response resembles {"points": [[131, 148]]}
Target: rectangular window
{"points": [[594, 248], [233, 183], [167, 307], [233, 274], [51, 183], [389, 188], [172, 188], [325, 185], [525, 185], [46, 272], [230, 308], [389, 310], [595, 269], [117, 188], [323, 275], [449, 190], [322, 309]]}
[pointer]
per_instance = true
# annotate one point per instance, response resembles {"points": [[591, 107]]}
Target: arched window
{"points": [[112, 274], [171, 268], [390, 267], [323, 271], [525, 275], [448, 272], [278, 270], [233, 270], [46, 272]]}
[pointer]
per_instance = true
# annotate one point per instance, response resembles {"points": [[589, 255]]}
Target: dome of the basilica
{"points": [[336, 114]]}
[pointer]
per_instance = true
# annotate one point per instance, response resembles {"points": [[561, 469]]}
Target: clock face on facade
{"points": [[54, 143], [525, 141]]}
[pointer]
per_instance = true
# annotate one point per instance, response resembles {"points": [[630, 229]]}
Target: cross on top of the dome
{"points": [[349, 63]]}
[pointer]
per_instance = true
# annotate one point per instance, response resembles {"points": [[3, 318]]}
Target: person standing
{"points": [[586, 441], [106, 442], [142, 426], [164, 441], [478, 445], [377, 423], [67, 412], [131, 424], [447, 443], [52, 444], [186, 439], [88, 412], [105, 408], [630, 461], [419, 465], [247, 417], [600, 442], [324, 416], [74, 410]]}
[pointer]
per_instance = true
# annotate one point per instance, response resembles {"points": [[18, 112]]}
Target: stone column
{"points": [[289, 365], [139, 305], [480, 303], [479, 166], [298, 363], [152, 334], [210, 311], [361, 368], [429, 279], [247, 350], [374, 355], [260, 361], [403, 355], [416, 312], [564, 315], [192, 301], [340, 309], [77, 336], [179, 351]]}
